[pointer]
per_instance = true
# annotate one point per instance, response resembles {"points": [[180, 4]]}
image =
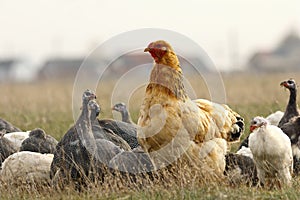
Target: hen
{"points": [[272, 153], [173, 126]]}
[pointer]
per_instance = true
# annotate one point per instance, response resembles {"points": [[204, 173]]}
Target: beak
{"points": [[147, 49], [283, 84], [252, 128], [93, 96]]}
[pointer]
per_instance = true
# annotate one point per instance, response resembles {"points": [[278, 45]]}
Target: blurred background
{"points": [[254, 44], [44, 40]]}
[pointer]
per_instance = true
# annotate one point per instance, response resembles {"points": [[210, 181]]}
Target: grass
{"points": [[48, 105]]}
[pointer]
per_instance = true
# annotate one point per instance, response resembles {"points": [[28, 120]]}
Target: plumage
{"points": [[35, 141], [6, 148], [240, 169], [39, 141], [8, 127], [278, 118], [106, 150], [121, 107], [245, 151], [133, 162], [82, 155], [105, 132], [71, 160], [291, 108], [274, 118], [272, 153], [292, 130], [288, 123], [75, 151], [27, 167], [17, 138], [173, 125], [244, 143], [124, 130]]}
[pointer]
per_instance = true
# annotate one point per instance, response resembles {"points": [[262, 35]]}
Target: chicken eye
{"points": [[290, 82]]}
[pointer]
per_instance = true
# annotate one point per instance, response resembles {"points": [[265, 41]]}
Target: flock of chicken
{"points": [[172, 130], [273, 146]]}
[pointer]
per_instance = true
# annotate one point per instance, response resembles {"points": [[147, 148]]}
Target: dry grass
{"points": [[48, 105]]}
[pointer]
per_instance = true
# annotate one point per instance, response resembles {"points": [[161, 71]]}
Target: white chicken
{"points": [[275, 117], [245, 151], [27, 167], [17, 137], [272, 153]]}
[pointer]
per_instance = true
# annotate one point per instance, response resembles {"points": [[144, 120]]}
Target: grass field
{"points": [[48, 105]]}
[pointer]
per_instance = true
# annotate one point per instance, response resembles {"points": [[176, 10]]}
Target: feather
{"points": [[26, 166], [272, 153], [172, 125]]}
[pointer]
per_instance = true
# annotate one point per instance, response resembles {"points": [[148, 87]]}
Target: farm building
{"points": [[285, 57], [15, 70]]}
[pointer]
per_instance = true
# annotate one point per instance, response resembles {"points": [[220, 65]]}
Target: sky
{"points": [[230, 31]]}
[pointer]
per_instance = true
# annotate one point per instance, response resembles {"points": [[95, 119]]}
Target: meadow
{"points": [[48, 105]]}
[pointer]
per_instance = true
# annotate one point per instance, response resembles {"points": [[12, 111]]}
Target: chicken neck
{"points": [[125, 116], [84, 128], [166, 80], [292, 105]]}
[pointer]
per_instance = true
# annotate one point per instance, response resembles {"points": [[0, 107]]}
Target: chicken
{"points": [[121, 107], [8, 127], [39, 141], [292, 107], [292, 130], [245, 151], [240, 169], [172, 126], [17, 138], [84, 152], [272, 153], [6, 148], [274, 118], [27, 167]]}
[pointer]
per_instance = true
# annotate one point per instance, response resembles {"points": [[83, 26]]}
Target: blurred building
{"points": [[6, 69], [16, 70], [63, 68], [132, 60], [67, 68], [282, 59]]}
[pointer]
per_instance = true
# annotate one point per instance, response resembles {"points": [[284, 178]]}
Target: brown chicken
{"points": [[173, 126]]}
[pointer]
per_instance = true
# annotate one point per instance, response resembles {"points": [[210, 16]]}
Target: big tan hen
{"points": [[173, 126]]}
